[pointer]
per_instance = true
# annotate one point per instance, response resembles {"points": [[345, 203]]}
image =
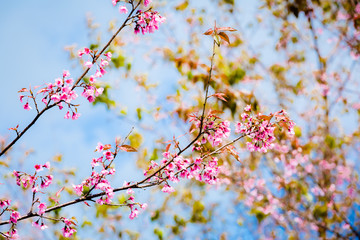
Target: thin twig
{"points": [[48, 107]]}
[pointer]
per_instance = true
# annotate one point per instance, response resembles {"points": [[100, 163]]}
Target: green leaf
{"points": [[118, 61], [138, 112], [159, 233], [182, 6], [135, 140]]}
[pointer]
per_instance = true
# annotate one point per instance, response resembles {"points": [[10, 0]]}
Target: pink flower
{"points": [[92, 79], [67, 231], [99, 147], [130, 191], [109, 155], [103, 62], [108, 56], [357, 8], [38, 167], [91, 99], [147, 2], [14, 216], [99, 91], [13, 234], [102, 70], [47, 182], [346, 226], [5, 203], [55, 98], [21, 97], [247, 108], [35, 189], [27, 107], [59, 82], [198, 161], [137, 29], [75, 116], [80, 53], [95, 162], [66, 74], [42, 208], [144, 206], [168, 189], [69, 81], [98, 74], [88, 64], [123, 9], [78, 189], [133, 214], [114, 2], [37, 225], [67, 115]]}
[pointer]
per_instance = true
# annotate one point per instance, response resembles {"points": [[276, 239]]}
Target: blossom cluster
{"points": [[98, 181], [214, 129], [68, 230], [26, 180], [172, 166], [61, 91], [123, 9], [260, 129], [13, 218], [35, 182], [147, 21], [175, 167], [130, 202]]}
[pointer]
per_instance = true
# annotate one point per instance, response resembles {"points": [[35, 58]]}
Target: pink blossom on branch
{"points": [[147, 2], [123, 9], [14, 216], [26, 106], [42, 208], [148, 22]]}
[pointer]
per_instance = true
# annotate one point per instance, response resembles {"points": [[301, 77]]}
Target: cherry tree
{"points": [[297, 180]]}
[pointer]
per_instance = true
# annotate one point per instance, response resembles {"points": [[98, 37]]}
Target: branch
{"points": [[48, 107], [139, 184]]}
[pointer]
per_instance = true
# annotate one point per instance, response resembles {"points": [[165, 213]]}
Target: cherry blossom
{"points": [[123, 9]]}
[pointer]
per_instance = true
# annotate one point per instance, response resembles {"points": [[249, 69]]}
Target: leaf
{"points": [[107, 146], [168, 147], [182, 6], [214, 112], [57, 194], [224, 36], [210, 31], [265, 117], [226, 29], [127, 148], [220, 96], [23, 90]]}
